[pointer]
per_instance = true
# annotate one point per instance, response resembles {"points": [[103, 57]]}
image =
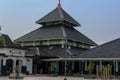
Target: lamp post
{"points": [[114, 63], [65, 68]]}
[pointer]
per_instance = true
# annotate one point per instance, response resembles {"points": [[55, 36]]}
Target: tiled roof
{"points": [[7, 42], [56, 32], [55, 51], [58, 14], [108, 50]]}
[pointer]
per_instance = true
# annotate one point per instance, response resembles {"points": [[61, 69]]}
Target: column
{"points": [[14, 66], [72, 65], [100, 63], [4, 61], [85, 65], [97, 71], [4, 67], [80, 65], [100, 66], [116, 66], [82, 71], [46, 67], [57, 68], [20, 65]]}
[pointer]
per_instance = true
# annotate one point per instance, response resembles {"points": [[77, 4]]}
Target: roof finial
{"points": [[59, 4]]}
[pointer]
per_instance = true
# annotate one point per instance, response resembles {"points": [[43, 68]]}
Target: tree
{"points": [[90, 67], [106, 71], [1, 41], [53, 66]]}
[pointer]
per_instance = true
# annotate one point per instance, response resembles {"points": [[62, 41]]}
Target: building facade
{"points": [[12, 56]]}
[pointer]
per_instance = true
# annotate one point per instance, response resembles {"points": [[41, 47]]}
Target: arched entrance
{"points": [[9, 66]]}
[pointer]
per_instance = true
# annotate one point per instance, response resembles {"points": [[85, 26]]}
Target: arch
{"points": [[9, 66]]}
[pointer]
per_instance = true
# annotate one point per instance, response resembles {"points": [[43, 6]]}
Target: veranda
{"points": [[102, 67]]}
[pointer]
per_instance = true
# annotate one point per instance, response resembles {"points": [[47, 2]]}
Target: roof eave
{"points": [[43, 23]]}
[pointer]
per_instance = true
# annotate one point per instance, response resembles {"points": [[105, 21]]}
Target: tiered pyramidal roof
{"points": [[57, 24], [58, 14]]}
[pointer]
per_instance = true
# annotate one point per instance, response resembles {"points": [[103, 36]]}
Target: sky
{"points": [[99, 19]]}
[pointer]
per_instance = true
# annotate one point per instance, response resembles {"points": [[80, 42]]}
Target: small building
{"points": [[12, 56]]}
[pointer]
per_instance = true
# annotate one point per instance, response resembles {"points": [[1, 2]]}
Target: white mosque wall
{"points": [[12, 52], [29, 64]]}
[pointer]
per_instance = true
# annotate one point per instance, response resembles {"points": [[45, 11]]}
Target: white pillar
{"points": [[31, 66], [20, 65], [14, 66], [85, 65], [116, 66], [73, 65], [4, 61]]}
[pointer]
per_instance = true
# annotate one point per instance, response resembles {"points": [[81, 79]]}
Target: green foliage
{"points": [[16, 44], [106, 71], [1, 41], [16, 68], [90, 67], [53, 66]]}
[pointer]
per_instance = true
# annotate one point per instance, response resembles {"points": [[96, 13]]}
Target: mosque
{"points": [[57, 41]]}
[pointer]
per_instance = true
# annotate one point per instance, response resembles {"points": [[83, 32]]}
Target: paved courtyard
{"points": [[43, 78], [48, 78]]}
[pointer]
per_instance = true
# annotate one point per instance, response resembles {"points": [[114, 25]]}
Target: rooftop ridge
{"points": [[63, 31], [61, 13]]}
